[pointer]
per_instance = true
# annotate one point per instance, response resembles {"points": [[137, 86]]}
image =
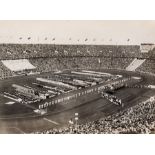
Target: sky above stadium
{"points": [[77, 32]]}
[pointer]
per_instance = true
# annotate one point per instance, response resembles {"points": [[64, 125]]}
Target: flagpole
{"points": [[38, 39]]}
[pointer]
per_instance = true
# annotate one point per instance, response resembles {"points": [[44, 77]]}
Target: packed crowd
{"points": [[47, 57], [138, 119], [18, 51], [148, 66], [4, 71], [52, 64]]}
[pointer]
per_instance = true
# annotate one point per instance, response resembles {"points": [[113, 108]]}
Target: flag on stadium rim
{"points": [[20, 38], [45, 38], [86, 39], [29, 38], [128, 39], [53, 39]]}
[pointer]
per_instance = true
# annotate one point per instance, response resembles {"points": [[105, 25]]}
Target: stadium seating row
{"points": [[51, 64], [4, 71], [47, 57], [18, 51], [148, 66], [137, 119], [55, 64]]}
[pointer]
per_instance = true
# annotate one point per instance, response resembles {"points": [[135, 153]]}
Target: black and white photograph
{"points": [[77, 77]]}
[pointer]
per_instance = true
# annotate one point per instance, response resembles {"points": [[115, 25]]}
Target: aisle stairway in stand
{"points": [[135, 64]]}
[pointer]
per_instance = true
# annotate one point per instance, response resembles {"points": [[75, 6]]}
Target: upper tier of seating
{"points": [[18, 51]]}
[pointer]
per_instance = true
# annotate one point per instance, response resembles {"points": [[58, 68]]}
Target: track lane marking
{"points": [[51, 121], [17, 129]]}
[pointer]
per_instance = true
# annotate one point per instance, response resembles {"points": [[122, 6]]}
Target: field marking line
{"points": [[51, 121], [17, 129]]}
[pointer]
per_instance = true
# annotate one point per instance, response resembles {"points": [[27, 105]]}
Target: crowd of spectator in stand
{"points": [[49, 57], [135, 120], [4, 71], [18, 51], [148, 66], [52, 64]]}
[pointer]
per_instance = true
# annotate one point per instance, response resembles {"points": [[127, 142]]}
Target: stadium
{"points": [[52, 88]]}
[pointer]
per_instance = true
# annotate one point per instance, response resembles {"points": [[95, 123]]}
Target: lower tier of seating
{"points": [[63, 63]]}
